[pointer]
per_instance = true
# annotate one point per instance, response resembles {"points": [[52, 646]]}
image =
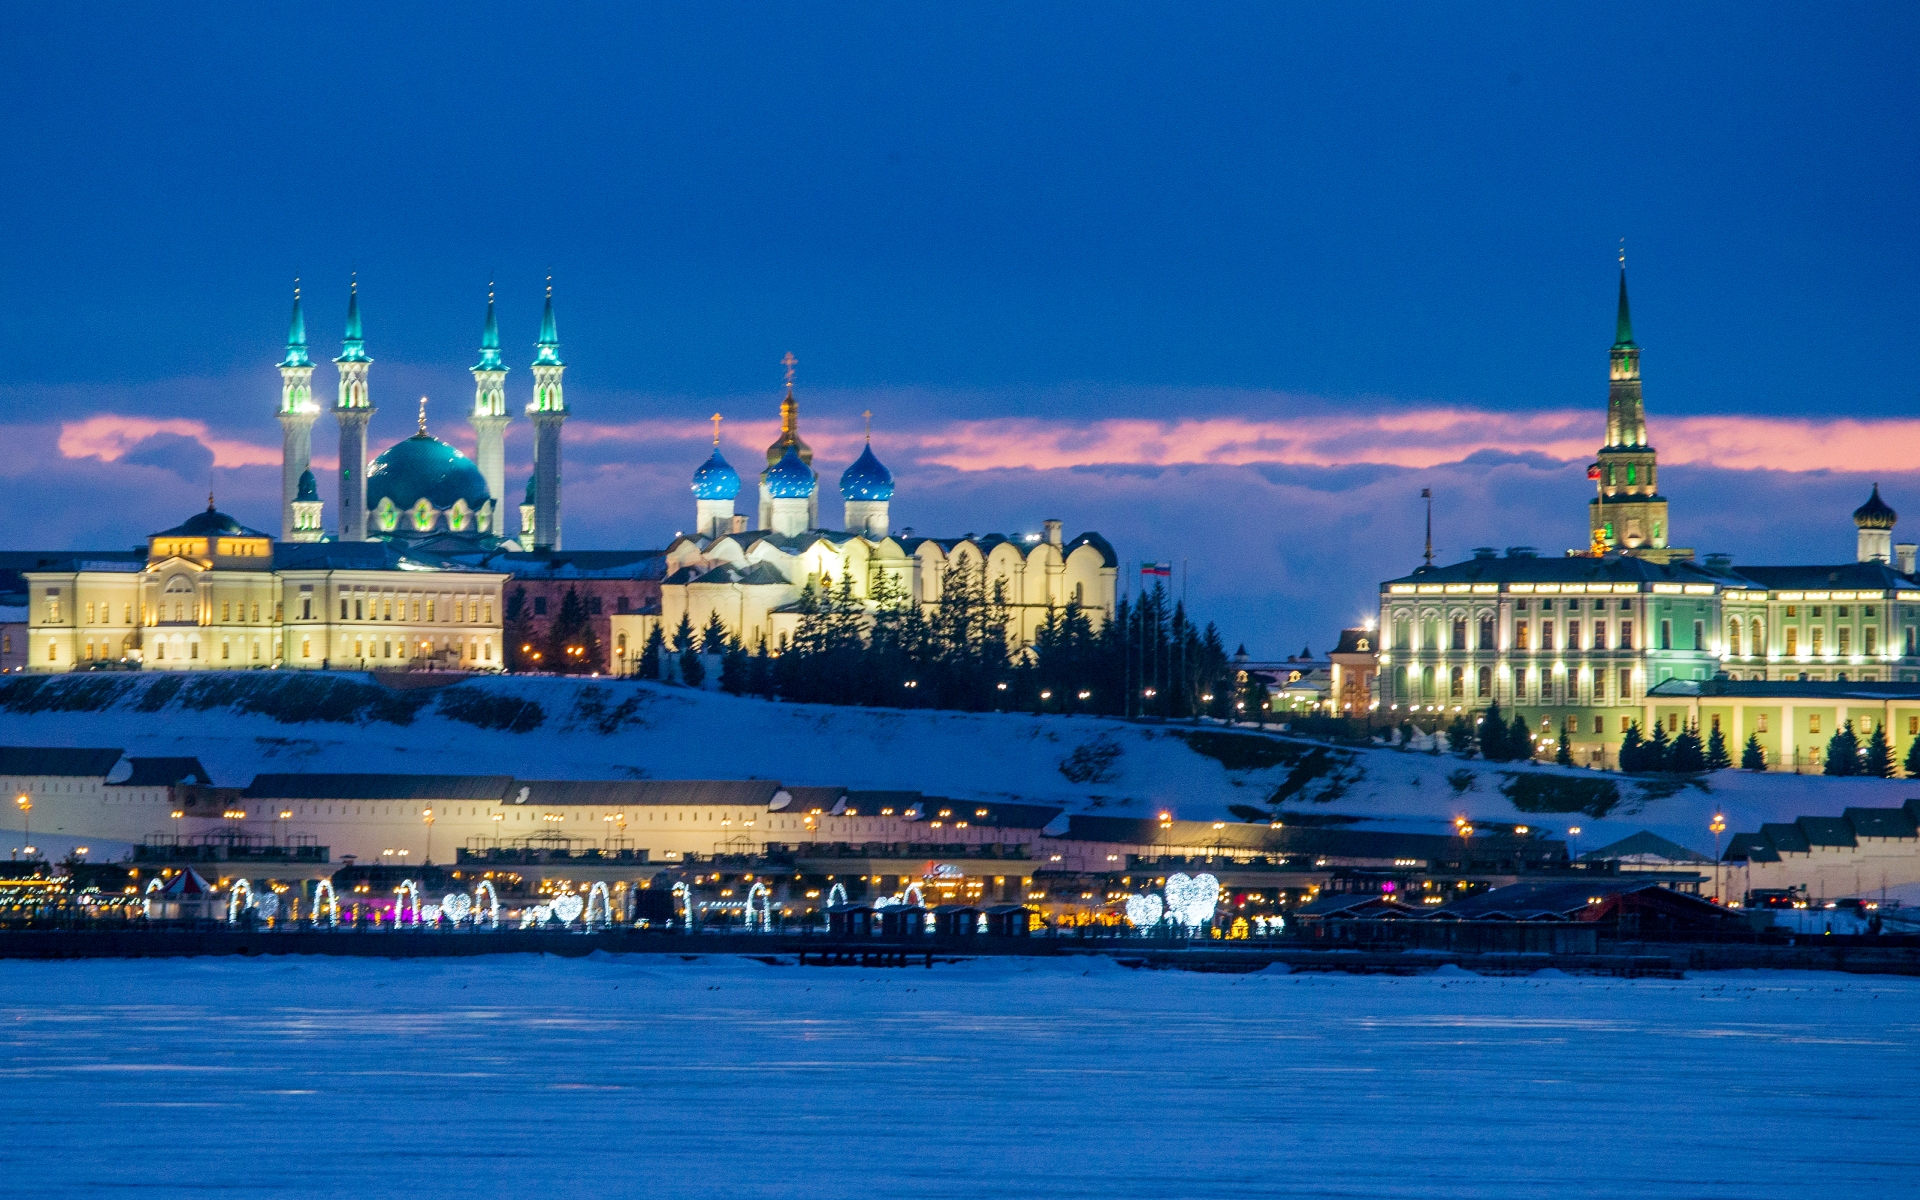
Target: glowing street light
{"points": [[1719, 826], [428, 818], [26, 820]]}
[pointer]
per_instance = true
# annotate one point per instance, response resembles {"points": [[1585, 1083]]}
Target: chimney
{"points": [[1903, 554], [738, 524], [1053, 532]]}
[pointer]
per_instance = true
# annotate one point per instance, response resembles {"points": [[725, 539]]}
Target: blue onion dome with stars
{"points": [[424, 467], [867, 479], [790, 479], [716, 479]]}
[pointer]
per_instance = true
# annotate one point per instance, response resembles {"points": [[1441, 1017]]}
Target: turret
{"points": [[715, 486], [490, 417], [867, 488], [354, 409], [297, 414], [789, 439], [1628, 513], [307, 524], [790, 485], [549, 412], [527, 505], [1875, 520]]}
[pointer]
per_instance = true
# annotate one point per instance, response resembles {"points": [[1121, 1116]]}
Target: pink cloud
{"points": [[108, 436]]}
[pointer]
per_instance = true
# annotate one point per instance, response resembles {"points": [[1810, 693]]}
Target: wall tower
{"points": [[1629, 514]]}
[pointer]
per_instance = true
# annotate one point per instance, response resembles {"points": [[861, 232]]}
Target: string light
{"points": [[599, 891], [1144, 912], [332, 909], [239, 899], [1191, 901], [493, 901], [456, 906]]}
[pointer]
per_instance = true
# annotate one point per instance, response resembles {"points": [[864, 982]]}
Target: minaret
{"points": [[354, 409], [490, 418], [789, 439], [298, 412], [1629, 514], [549, 412]]}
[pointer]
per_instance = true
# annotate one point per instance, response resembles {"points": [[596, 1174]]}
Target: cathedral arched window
{"points": [[1456, 683], [1733, 637], [1485, 682]]}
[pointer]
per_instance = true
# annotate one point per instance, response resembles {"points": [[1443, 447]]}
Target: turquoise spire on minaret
{"points": [[490, 359], [549, 345], [354, 345], [297, 335]]}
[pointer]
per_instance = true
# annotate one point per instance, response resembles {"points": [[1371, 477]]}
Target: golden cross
{"points": [[716, 428], [789, 362]]}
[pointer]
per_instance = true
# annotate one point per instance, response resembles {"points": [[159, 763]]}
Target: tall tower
{"points": [[354, 409], [789, 439], [1628, 514], [549, 412], [298, 412], [490, 418]]}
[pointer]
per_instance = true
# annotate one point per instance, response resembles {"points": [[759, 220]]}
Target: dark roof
{"points": [[1535, 901], [1612, 568], [357, 556], [579, 564], [1827, 831], [639, 793], [18, 761], [1882, 822], [1356, 641], [321, 786], [1260, 838], [1751, 847], [1786, 839], [1869, 576], [1645, 847], [1353, 904], [164, 772], [1107, 556], [210, 522], [1755, 689]]}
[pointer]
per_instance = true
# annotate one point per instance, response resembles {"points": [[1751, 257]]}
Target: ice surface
{"points": [[525, 1077]]}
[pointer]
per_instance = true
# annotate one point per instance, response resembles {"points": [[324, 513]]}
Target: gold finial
{"points": [[869, 416], [789, 362], [716, 430], [423, 414]]}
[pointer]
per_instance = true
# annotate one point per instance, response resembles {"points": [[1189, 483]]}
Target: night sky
{"points": [[1230, 285]]}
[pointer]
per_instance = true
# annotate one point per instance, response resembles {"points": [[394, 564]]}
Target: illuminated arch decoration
{"points": [[762, 917], [915, 896], [239, 900], [836, 895], [492, 910], [599, 892], [154, 885], [683, 895], [567, 906], [407, 893], [325, 901]]}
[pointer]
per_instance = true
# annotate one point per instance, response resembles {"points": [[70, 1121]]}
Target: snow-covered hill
{"points": [[239, 725]]}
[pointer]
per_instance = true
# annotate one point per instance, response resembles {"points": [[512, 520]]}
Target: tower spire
{"points": [[423, 414], [297, 414], [354, 409], [716, 430], [549, 346], [1623, 320], [297, 334]]}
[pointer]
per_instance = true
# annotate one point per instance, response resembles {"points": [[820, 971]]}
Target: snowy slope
{"points": [[606, 729]]}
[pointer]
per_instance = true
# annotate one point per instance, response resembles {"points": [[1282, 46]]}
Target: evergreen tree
{"points": [[1753, 757], [1717, 759], [686, 647], [573, 645], [1460, 736], [1519, 739], [736, 669], [693, 672], [650, 656], [713, 639], [683, 639], [1879, 760], [1564, 754], [1493, 734], [1632, 752], [1656, 755], [760, 672], [1912, 763], [1843, 751], [517, 633], [1686, 758]]}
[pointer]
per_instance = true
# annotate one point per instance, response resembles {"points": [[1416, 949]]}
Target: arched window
{"points": [[1427, 688], [1756, 644], [1733, 637], [1456, 684], [1459, 634], [1486, 682]]}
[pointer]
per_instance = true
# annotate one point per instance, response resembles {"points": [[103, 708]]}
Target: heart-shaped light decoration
{"points": [[1144, 912], [1179, 892], [267, 904], [567, 907], [456, 906], [535, 916], [1203, 893], [429, 914]]}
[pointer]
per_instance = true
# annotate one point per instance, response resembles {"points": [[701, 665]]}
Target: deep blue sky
{"points": [[967, 211]]}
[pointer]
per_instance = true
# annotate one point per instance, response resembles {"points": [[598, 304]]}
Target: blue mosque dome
{"points": [[423, 466], [866, 479], [716, 479], [790, 479]]}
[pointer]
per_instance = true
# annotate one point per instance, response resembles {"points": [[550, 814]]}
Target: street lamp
{"points": [[1719, 826], [26, 821], [1573, 831], [428, 818]]}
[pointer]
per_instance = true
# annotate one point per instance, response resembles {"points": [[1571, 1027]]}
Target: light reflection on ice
{"points": [[602, 1078]]}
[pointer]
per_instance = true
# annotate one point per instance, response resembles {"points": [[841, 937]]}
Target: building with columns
{"points": [[1615, 634]]}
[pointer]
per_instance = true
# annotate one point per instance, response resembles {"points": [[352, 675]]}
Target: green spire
{"points": [[354, 346], [297, 335], [1623, 324], [490, 340], [549, 347]]}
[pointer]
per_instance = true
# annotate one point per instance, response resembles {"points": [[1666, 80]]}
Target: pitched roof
{"points": [[1827, 831], [1882, 822], [1644, 847], [642, 793], [1525, 567], [1751, 847], [164, 772], [323, 786], [19, 761], [1785, 838], [1536, 901]]}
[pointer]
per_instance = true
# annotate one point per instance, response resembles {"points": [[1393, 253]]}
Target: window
{"points": [[1624, 722], [593, 605], [1716, 722], [1485, 682], [1762, 727], [1546, 635], [488, 615], [306, 647], [193, 649], [1456, 683], [128, 619], [1818, 634], [1844, 640], [1599, 725], [89, 616], [1626, 684], [1520, 631], [1913, 726], [256, 613], [1870, 641], [226, 611], [1673, 722], [539, 606], [1793, 641], [1733, 638], [1817, 610], [1427, 689], [53, 652], [343, 608], [429, 610], [1793, 610], [1666, 635], [89, 654], [306, 608], [1626, 635], [1699, 635], [53, 604], [1813, 722], [1842, 610], [1599, 689], [1401, 634], [1599, 635], [620, 605], [359, 609]]}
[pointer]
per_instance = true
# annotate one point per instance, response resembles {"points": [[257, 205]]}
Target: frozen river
{"points": [[519, 1077]]}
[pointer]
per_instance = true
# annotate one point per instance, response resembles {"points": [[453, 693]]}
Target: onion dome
{"points": [[790, 479], [424, 467], [308, 490], [866, 479], [1874, 514], [716, 479]]}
